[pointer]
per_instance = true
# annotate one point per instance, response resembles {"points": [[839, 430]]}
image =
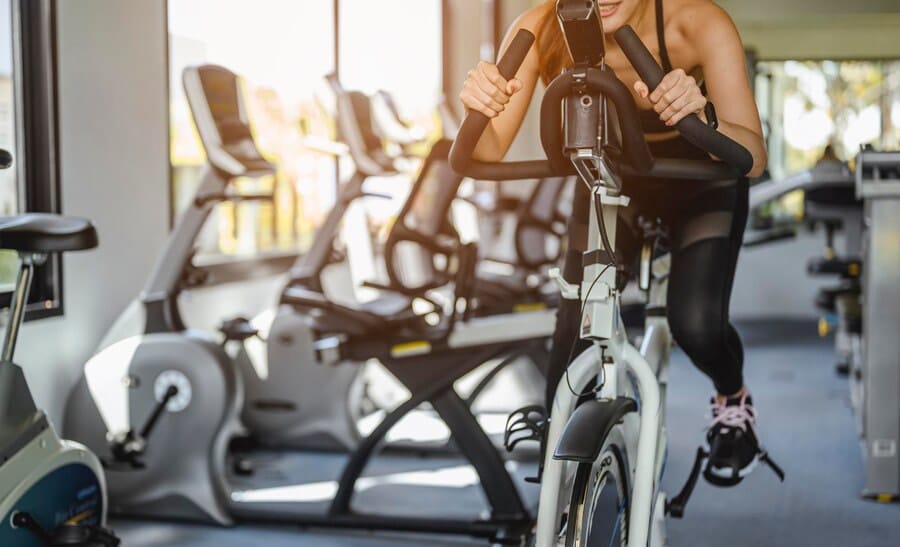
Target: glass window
{"points": [[282, 49], [8, 184], [810, 105], [401, 54]]}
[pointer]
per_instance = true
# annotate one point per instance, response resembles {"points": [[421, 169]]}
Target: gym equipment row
{"points": [[168, 385]]}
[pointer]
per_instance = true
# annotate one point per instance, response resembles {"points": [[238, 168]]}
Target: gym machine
{"points": [[52, 491], [876, 384]]}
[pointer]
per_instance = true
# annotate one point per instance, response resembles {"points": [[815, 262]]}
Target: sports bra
{"points": [[650, 121]]}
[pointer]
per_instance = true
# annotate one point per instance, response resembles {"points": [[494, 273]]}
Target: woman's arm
{"points": [[506, 103], [719, 53], [723, 60]]}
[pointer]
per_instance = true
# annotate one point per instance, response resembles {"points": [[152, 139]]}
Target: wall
{"points": [[818, 29], [114, 170]]}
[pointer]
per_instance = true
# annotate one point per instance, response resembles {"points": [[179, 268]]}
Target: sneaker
{"points": [[733, 442]]}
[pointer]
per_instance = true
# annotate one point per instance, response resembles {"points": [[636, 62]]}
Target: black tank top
{"points": [[650, 121]]}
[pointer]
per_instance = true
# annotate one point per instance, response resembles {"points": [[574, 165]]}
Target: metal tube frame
{"points": [[27, 264], [647, 439]]}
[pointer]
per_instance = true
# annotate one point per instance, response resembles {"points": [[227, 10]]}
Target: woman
{"points": [[691, 39]]}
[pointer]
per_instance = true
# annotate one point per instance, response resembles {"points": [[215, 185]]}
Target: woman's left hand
{"points": [[676, 96]]}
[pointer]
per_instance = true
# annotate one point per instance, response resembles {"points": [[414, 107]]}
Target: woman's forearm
{"points": [[749, 140], [491, 147]]}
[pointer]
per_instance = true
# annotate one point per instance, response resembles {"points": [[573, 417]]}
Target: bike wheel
{"points": [[598, 511]]}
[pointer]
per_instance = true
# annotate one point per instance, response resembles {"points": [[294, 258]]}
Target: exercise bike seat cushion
{"points": [[46, 233], [379, 316]]}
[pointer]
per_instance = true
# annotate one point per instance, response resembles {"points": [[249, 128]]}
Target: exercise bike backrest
{"points": [[214, 96]]}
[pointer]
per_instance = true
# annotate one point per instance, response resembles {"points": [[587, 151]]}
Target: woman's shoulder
{"points": [[690, 16], [532, 18]]}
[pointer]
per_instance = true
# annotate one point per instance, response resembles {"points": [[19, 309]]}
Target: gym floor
{"points": [[805, 422]]}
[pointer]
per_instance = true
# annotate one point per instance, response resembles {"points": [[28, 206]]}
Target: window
{"points": [[282, 49], [401, 54], [808, 105], [28, 130]]}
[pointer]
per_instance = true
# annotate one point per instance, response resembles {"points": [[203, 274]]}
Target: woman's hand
{"points": [[486, 91], [676, 96]]}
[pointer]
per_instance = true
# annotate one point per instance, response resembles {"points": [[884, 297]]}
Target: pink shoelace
{"points": [[740, 416]]}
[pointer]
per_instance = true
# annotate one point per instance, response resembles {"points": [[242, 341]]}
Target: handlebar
{"points": [[691, 127], [637, 156]]}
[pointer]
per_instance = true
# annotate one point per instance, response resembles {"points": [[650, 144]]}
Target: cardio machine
{"points": [[875, 379], [829, 200], [52, 491], [606, 440], [291, 400]]}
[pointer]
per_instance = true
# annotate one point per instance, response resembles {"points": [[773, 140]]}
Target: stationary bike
{"points": [[606, 439], [52, 491]]}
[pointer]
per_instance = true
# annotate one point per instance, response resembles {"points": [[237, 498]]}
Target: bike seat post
{"points": [[27, 263]]}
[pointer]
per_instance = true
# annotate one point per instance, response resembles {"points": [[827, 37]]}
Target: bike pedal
{"points": [[528, 423]]}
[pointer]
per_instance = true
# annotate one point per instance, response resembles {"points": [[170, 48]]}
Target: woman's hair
{"points": [[553, 56]]}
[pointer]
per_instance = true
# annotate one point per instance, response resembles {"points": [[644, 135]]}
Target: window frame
{"points": [[37, 140]]}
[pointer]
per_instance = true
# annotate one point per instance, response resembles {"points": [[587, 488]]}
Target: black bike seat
{"points": [[46, 233]]}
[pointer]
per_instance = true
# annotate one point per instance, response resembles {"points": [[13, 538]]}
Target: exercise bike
{"points": [[52, 491], [606, 440]]}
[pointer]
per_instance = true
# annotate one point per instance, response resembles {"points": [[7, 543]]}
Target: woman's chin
{"points": [[612, 24]]}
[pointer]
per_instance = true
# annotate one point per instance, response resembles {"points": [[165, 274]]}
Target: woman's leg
{"points": [[706, 242], [708, 238]]}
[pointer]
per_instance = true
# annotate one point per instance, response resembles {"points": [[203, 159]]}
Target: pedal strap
{"points": [[525, 424], [528, 423], [779, 472]]}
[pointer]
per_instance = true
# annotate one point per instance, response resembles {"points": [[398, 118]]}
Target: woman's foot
{"points": [[733, 443]]}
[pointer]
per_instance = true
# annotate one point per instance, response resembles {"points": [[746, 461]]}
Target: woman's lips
{"points": [[608, 10]]}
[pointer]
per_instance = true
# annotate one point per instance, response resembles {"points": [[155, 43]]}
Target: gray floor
{"points": [[805, 422]]}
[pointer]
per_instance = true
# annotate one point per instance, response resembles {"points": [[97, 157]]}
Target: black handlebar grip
{"points": [[475, 122], [515, 54], [693, 129], [6, 158]]}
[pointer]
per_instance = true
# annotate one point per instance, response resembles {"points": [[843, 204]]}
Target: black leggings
{"points": [[706, 224]]}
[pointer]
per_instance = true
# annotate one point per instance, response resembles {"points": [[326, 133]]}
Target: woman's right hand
{"points": [[486, 91]]}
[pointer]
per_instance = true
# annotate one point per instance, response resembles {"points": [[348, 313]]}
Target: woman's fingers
{"points": [[692, 107], [641, 89], [686, 101], [514, 86], [473, 103], [496, 94], [676, 96], [474, 97], [667, 83], [683, 87], [487, 91]]}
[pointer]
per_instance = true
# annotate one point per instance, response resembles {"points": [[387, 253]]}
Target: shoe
{"points": [[733, 442]]}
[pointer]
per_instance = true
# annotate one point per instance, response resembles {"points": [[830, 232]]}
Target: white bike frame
{"points": [[628, 372]]}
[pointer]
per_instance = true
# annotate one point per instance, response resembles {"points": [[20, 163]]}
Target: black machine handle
{"points": [[475, 123], [6, 159], [737, 161], [691, 127]]}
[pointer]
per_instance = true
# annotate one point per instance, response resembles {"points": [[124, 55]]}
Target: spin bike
{"points": [[52, 491], [606, 441]]}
